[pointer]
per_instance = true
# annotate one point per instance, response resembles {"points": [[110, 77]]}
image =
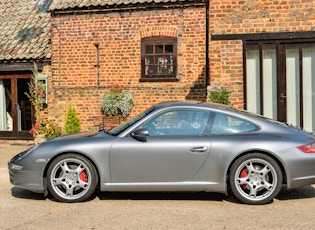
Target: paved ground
{"points": [[21, 209]]}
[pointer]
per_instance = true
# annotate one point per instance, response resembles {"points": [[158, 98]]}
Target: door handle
{"points": [[282, 96], [199, 149]]}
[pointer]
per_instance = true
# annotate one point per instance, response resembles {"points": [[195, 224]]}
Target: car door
{"points": [[174, 151]]}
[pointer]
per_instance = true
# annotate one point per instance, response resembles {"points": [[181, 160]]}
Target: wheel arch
{"points": [[284, 175], [68, 152]]}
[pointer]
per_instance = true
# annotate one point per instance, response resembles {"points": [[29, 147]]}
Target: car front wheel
{"points": [[72, 178], [255, 179]]}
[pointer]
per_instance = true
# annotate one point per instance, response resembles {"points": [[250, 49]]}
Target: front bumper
{"points": [[27, 175]]}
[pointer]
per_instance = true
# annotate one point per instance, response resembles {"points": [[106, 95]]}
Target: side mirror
{"points": [[140, 134]]}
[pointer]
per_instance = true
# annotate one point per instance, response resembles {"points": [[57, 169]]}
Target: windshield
{"points": [[115, 131]]}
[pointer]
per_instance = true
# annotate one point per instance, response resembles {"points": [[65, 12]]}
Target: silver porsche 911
{"points": [[180, 146]]}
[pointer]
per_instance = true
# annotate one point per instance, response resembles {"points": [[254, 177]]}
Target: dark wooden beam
{"points": [[20, 66], [265, 36]]}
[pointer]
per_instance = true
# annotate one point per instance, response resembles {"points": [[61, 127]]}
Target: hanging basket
{"points": [[107, 122]]}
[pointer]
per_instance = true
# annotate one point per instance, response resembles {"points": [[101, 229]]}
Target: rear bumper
{"points": [[299, 168]]}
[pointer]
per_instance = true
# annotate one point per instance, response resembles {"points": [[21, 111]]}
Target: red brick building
{"points": [[156, 49], [261, 50]]}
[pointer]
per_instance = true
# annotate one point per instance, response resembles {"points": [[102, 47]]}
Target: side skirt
{"points": [[164, 187]]}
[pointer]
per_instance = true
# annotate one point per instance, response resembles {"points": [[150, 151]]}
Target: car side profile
{"points": [[174, 146]]}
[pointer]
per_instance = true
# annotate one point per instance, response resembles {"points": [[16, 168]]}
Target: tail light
{"points": [[308, 148]]}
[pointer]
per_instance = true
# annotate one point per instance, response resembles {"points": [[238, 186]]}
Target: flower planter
{"points": [[117, 101]]}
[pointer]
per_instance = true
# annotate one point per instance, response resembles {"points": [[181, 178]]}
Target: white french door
{"points": [[280, 82]]}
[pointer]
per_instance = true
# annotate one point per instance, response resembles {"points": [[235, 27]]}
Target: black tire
{"points": [[255, 179], [72, 178]]}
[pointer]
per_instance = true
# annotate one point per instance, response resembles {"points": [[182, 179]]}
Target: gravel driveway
{"points": [[21, 209]]}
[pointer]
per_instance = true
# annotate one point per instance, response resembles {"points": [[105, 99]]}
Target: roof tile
{"points": [[68, 4], [25, 29]]}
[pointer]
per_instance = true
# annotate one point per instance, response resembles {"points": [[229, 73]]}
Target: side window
{"points": [[224, 124], [178, 122]]}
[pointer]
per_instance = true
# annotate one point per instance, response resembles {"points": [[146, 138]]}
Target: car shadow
{"points": [[26, 194], [202, 196], [285, 194], [296, 193]]}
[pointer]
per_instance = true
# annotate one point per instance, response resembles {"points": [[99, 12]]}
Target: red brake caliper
{"points": [[243, 175], [83, 176]]}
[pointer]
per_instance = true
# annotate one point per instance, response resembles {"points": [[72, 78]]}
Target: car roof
{"points": [[216, 107], [194, 104]]}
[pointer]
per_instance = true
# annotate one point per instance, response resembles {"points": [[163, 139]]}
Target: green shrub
{"points": [[221, 97], [72, 121]]}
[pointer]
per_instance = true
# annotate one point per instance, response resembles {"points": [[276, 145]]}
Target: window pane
{"points": [[162, 62], [308, 89], [293, 86], [252, 81], [149, 70], [171, 62], [148, 59], [159, 49], [169, 49], [149, 49], [270, 83], [6, 121]]}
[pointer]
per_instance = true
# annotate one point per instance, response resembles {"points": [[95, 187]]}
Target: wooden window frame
{"points": [[155, 65]]}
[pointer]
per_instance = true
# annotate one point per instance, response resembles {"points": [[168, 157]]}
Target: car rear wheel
{"points": [[72, 178], [255, 179]]}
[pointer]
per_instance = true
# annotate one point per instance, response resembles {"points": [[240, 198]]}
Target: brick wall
{"points": [[257, 16], [247, 17], [118, 37]]}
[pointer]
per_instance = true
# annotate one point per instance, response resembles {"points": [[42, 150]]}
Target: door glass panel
{"points": [[293, 86], [270, 83], [269, 88], [6, 120], [24, 106], [253, 82], [308, 89]]}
